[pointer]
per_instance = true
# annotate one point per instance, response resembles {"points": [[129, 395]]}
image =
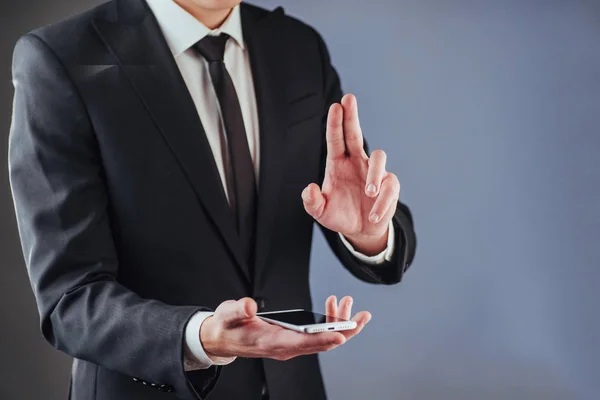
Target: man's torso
{"points": [[165, 202]]}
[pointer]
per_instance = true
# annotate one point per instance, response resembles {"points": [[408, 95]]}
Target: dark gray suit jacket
{"points": [[123, 219]]}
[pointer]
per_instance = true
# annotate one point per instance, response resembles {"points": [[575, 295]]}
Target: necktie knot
{"points": [[212, 48]]}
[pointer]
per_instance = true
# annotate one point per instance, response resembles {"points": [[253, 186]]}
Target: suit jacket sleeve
{"points": [[389, 272], [61, 206]]}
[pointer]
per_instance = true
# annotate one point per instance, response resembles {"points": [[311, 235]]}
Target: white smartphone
{"points": [[306, 321]]}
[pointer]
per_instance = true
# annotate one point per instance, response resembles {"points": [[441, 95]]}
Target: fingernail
{"points": [[374, 218], [371, 188]]}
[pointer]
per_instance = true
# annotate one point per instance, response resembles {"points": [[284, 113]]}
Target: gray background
{"points": [[489, 112]]}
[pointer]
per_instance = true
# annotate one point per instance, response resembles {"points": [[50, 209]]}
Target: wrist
{"points": [[369, 245], [212, 344]]}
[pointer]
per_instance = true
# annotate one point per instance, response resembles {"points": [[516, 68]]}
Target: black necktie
{"points": [[239, 169]]}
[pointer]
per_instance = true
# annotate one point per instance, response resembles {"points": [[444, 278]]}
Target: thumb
{"points": [[235, 311], [314, 201]]}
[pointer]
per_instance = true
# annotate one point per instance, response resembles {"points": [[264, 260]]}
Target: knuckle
{"points": [[394, 182], [224, 307], [354, 135]]}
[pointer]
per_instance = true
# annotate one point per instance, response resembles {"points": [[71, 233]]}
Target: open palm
{"points": [[235, 330], [358, 197]]}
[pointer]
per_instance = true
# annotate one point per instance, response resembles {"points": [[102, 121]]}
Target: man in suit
{"points": [[165, 159]]}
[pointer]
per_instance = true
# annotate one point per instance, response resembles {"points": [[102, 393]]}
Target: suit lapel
{"points": [[263, 45], [134, 38]]}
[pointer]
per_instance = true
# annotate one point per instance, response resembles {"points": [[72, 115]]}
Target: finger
{"points": [[287, 344], [375, 173], [352, 133], [314, 201], [319, 345], [303, 343], [234, 311], [389, 214], [331, 307], [335, 135], [362, 318], [388, 197], [345, 308]]}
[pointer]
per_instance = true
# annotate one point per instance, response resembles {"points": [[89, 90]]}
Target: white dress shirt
{"points": [[181, 31]]}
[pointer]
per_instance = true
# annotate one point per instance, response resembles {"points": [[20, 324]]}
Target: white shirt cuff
{"points": [[194, 355], [385, 255]]}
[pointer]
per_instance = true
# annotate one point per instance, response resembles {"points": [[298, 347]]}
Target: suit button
{"points": [[261, 302]]}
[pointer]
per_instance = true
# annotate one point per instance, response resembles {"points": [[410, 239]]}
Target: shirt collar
{"points": [[181, 30]]}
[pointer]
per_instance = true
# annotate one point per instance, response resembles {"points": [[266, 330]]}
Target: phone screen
{"points": [[301, 317]]}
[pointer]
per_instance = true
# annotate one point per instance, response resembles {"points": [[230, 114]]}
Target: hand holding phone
{"points": [[235, 330], [307, 321]]}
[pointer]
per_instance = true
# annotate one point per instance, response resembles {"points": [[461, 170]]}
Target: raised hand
{"points": [[235, 331], [358, 197]]}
